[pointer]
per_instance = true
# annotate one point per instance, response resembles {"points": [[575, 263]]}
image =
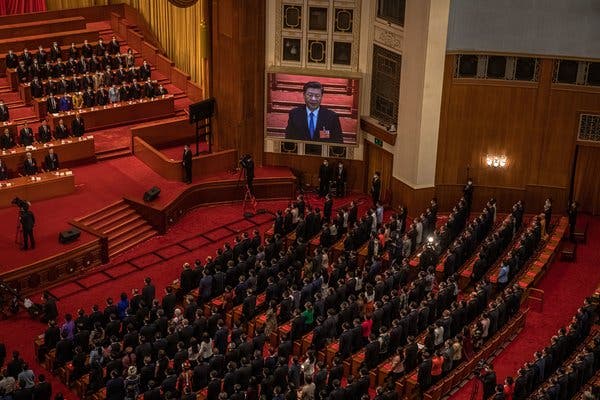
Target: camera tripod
{"points": [[19, 231], [249, 203]]}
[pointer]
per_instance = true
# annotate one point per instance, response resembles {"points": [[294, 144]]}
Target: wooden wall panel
{"points": [[238, 70], [416, 200], [533, 123], [307, 168]]}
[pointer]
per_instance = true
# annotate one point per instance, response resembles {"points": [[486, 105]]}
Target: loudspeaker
{"points": [[151, 194], [68, 236]]}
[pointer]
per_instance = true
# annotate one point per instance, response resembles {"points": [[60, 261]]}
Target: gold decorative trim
{"points": [[183, 3], [388, 38]]}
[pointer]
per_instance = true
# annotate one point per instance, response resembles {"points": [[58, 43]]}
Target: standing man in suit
{"points": [[30, 165], [572, 213], [27, 220], [6, 140], [61, 131], [311, 121], [78, 126], [4, 114], [52, 104], [3, 176], [376, 188], [26, 137], [187, 164], [51, 160], [44, 134], [340, 180], [324, 178], [12, 61]]}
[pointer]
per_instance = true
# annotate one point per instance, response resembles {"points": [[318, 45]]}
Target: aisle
{"points": [[565, 285]]}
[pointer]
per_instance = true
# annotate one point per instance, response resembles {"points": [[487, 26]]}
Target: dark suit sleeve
{"points": [[296, 129]]}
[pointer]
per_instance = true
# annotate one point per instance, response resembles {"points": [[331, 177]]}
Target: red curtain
{"points": [[10, 7]]}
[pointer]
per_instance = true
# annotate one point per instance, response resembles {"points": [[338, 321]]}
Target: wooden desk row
{"points": [[14, 31], [70, 152], [101, 117], [37, 187], [40, 105]]}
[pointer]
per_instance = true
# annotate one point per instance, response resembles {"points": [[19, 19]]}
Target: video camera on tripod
{"points": [[246, 161], [22, 204]]}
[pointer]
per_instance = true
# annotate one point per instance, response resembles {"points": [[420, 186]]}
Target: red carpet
{"points": [[566, 284]]}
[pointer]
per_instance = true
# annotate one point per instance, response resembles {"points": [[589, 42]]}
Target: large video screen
{"points": [[312, 108]]}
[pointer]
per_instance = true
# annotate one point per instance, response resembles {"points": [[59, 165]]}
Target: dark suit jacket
{"points": [[44, 134], [297, 127], [51, 163], [78, 127], [30, 168]]}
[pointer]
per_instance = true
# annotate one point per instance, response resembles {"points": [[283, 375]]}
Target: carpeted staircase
{"points": [[124, 227]]}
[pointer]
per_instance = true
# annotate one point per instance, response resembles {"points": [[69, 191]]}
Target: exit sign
{"points": [[379, 142]]}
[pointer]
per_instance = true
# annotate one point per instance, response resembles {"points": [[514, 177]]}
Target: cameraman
{"points": [[27, 220], [247, 164]]}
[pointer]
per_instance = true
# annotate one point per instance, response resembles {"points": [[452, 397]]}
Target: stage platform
{"points": [[98, 186]]}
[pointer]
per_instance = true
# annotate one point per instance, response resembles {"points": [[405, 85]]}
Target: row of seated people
{"points": [[437, 357], [439, 239], [169, 305], [464, 244], [542, 373], [523, 249], [494, 246], [55, 52], [19, 381], [65, 83], [30, 165], [479, 328], [105, 65], [103, 96], [44, 133]]}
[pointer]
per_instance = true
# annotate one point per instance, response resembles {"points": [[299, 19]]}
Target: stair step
{"points": [[130, 236], [114, 218], [124, 227], [104, 209], [102, 214], [110, 154], [126, 246]]}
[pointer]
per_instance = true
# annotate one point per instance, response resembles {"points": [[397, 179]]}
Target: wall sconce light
{"points": [[496, 161]]}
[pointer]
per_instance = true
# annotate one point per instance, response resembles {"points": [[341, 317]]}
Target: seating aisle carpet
{"points": [[565, 286], [204, 230]]}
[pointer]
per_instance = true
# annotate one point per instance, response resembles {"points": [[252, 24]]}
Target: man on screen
{"points": [[311, 121]]}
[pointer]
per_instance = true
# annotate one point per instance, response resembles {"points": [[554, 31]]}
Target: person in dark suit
{"points": [[113, 46], [376, 188], [27, 220], [51, 161], [7, 141], [324, 178], [52, 103], [12, 61], [4, 113], [248, 164], [89, 98], [37, 90], [77, 126], [26, 137], [572, 213], [61, 131], [30, 165], [186, 163], [148, 291], [311, 121], [340, 179]]}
